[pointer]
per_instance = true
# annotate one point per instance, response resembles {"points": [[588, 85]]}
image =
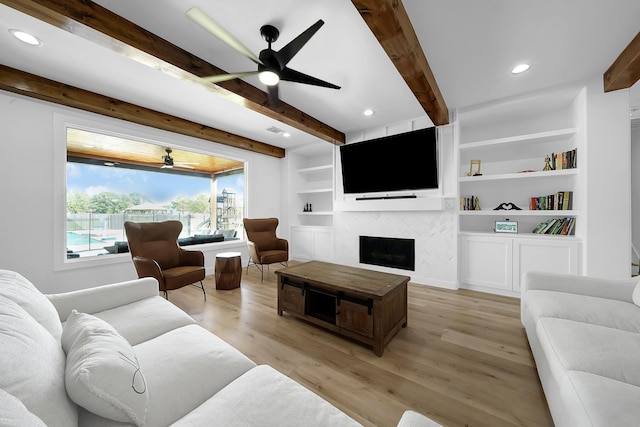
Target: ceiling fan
{"points": [[168, 162], [272, 65]]}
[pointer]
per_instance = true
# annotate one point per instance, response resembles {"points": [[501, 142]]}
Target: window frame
{"points": [[122, 129]]}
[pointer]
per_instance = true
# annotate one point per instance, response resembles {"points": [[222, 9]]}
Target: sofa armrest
{"points": [[100, 298], [618, 289]]}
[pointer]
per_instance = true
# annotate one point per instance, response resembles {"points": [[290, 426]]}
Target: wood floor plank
{"points": [[463, 360]]}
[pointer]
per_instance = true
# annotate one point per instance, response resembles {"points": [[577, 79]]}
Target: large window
{"points": [[110, 180]]}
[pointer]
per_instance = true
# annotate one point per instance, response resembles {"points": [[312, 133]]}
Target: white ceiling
{"points": [[471, 46]]}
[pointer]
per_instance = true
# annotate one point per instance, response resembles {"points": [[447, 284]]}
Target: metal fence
{"points": [[94, 232]]}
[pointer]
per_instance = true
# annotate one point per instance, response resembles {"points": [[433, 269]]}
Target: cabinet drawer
{"points": [[356, 316]]}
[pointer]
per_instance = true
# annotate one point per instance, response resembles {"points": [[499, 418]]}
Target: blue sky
{"points": [[160, 187]]}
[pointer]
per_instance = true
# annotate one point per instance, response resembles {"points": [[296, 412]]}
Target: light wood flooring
{"points": [[463, 359]]}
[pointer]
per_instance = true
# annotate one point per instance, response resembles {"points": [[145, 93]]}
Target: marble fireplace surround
{"points": [[434, 232]]}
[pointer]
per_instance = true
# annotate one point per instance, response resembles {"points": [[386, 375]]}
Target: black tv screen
{"points": [[403, 162]]}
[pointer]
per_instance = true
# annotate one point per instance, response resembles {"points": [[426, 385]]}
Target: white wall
{"points": [[29, 193], [608, 183]]}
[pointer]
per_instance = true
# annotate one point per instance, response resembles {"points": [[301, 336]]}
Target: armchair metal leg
{"points": [[258, 266], [166, 294], [201, 287]]}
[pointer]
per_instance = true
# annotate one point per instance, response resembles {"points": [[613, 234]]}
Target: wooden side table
{"points": [[228, 270]]}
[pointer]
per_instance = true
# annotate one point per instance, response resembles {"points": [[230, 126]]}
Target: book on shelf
{"points": [[557, 226], [564, 160], [562, 200]]}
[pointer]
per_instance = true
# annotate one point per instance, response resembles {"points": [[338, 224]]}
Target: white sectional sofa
{"points": [[120, 354], [584, 333]]}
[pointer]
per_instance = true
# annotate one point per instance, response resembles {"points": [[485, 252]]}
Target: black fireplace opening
{"points": [[388, 252]]}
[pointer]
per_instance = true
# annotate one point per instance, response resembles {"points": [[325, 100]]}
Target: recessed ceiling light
{"points": [[25, 37], [286, 134], [368, 112], [520, 68]]}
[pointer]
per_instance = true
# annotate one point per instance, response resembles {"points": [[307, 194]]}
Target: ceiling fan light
{"points": [[269, 78]]}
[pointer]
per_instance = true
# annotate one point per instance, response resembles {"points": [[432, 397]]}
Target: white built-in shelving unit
{"points": [[311, 178], [511, 138]]}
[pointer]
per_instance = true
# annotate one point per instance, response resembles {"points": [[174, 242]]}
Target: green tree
{"points": [[109, 202], [198, 204], [78, 202], [137, 199]]}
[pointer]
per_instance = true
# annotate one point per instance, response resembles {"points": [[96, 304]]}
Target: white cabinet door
{"points": [[551, 256], [301, 243], [311, 243], [486, 261]]}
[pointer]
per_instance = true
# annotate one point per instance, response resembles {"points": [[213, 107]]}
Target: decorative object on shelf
{"points": [[560, 226], [307, 208], [471, 172], [471, 203], [507, 206], [506, 226], [547, 164]]}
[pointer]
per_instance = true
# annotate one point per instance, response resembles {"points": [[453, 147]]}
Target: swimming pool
{"points": [[76, 239]]}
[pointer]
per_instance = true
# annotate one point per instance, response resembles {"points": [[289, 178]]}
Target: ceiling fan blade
{"points": [[285, 54], [290, 75], [272, 95], [231, 76], [199, 17]]}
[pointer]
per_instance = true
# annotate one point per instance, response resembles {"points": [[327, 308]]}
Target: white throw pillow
{"points": [[18, 288], [32, 366], [14, 413], [102, 373], [636, 294]]}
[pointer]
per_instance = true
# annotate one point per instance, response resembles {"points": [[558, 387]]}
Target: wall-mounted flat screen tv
{"points": [[402, 162]]}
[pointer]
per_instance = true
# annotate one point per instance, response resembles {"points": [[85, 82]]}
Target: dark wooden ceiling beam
{"points": [[625, 70], [23, 83], [389, 22], [97, 24]]}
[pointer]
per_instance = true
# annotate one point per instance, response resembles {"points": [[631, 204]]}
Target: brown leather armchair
{"points": [[264, 246], [155, 253]]}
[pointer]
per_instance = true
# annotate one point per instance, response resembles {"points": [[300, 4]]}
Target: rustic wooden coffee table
{"points": [[364, 305]]}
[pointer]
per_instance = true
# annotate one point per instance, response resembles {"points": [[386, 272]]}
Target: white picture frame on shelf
{"points": [[506, 227]]}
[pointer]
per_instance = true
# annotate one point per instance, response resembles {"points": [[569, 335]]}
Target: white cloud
{"points": [[92, 191]]}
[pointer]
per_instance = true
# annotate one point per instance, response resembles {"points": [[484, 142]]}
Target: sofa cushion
{"points": [[145, 319], [415, 419], [265, 397], [183, 368], [17, 288], [581, 308], [575, 346], [607, 402], [636, 294], [33, 363], [14, 413], [102, 373]]}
